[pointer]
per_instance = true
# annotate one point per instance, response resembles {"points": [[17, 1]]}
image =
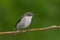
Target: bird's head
{"points": [[28, 14]]}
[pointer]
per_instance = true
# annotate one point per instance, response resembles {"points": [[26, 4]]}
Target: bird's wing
{"points": [[18, 20]]}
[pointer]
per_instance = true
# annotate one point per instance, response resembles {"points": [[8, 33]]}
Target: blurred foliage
{"points": [[46, 13]]}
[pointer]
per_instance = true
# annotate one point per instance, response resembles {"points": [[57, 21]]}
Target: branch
{"points": [[46, 28]]}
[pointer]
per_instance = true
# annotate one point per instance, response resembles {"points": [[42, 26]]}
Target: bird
{"points": [[24, 21]]}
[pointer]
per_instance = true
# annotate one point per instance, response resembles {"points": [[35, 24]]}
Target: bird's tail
{"points": [[16, 29]]}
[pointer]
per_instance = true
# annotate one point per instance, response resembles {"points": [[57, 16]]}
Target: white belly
{"points": [[25, 22]]}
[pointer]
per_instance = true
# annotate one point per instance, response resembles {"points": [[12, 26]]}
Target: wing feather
{"points": [[18, 21]]}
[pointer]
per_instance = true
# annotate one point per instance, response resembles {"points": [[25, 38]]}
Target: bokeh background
{"points": [[46, 13]]}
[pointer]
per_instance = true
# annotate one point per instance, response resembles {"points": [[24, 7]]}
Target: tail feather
{"points": [[16, 29]]}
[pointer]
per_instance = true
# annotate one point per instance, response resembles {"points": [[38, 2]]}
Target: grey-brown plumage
{"points": [[18, 21], [24, 21]]}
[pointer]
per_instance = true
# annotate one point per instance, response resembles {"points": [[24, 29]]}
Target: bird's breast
{"points": [[26, 21]]}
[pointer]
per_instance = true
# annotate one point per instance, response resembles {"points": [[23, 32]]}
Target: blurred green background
{"points": [[46, 13]]}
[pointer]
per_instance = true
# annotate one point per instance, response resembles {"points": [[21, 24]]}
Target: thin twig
{"points": [[45, 28]]}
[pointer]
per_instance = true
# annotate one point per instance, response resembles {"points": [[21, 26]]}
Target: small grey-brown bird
{"points": [[24, 21]]}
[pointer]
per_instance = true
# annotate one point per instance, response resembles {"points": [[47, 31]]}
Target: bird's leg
{"points": [[20, 30], [27, 30]]}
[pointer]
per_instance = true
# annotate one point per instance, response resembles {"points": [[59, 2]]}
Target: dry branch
{"points": [[46, 28]]}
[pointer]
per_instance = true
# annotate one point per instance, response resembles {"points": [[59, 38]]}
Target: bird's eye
{"points": [[29, 14]]}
